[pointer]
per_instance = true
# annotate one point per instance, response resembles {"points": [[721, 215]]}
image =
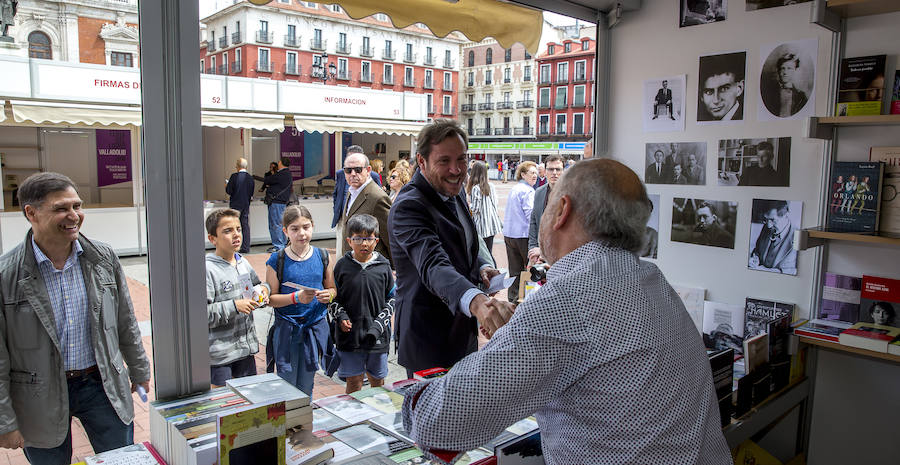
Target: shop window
{"points": [[121, 59], [39, 46]]}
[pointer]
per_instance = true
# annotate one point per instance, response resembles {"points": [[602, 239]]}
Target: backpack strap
{"points": [[324, 254], [279, 266]]}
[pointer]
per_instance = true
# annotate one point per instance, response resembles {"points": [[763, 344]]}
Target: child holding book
{"points": [[305, 284], [363, 308], [230, 283]]}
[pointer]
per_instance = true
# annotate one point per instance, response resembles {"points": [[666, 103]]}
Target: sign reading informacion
{"points": [[292, 149], [113, 156]]}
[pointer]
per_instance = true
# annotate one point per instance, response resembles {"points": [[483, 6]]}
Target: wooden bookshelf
{"points": [[852, 350], [814, 237], [855, 8]]}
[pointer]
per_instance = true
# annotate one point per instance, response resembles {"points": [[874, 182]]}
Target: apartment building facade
{"points": [[565, 106]]}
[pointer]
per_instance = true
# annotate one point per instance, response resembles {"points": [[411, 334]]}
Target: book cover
{"points": [[889, 221], [364, 438], [135, 454], [380, 398], [861, 86], [348, 409], [252, 434], [840, 298], [722, 365], [723, 326], [779, 331], [392, 423], [894, 347], [403, 383], [826, 330], [756, 351], [854, 196], [879, 301], [692, 298], [522, 450], [758, 313], [750, 452], [371, 458], [266, 387], [304, 448], [323, 420], [341, 450], [869, 336], [895, 95], [430, 373]]}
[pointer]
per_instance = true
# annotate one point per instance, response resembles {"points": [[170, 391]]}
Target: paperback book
{"points": [[826, 330], [252, 434], [889, 222], [522, 450], [861, 86], [723, 326], [135, 454], [869, 336], [840, 298], [323, 420], [266, 387], [895, 95], [722, 365], [393, 424], [380, 398], [305, 448], [364, 438], [854, 196], [758, 313], [348, 409], [879, 301]]}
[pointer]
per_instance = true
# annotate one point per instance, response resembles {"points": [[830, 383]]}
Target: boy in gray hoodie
{"points": [[229, 300]]}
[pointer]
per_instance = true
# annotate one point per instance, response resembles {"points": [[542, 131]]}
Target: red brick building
{"points": [[565, 106]]}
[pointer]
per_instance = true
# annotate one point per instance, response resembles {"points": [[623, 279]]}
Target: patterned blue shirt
{"points": [[68, 297]]}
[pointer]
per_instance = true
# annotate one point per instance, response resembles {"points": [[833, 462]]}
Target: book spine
{"points": [[815, 335]]}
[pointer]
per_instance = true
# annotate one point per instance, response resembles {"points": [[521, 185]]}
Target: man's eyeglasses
{"points": [[354, 169], [360, 240]]}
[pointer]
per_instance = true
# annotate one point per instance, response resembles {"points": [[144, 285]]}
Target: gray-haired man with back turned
{"points": [[604, 355]]}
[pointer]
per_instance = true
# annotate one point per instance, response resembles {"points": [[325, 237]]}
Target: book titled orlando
{"points": [[861, 86], [854, 196]]}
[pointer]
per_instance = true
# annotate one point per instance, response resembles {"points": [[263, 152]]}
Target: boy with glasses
{"points": [[363, 307]]}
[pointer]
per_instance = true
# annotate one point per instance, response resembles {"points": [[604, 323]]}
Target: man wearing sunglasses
{"points": [[340, 193], [364, 196]]}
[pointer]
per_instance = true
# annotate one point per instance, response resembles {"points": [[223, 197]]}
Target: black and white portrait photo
{"points": [[721, 87], [772, 226], [694, 12], [664, 104], [787, 80], [763, 4], [675, 163], [704, 222], [755, 162], [651, 234]]}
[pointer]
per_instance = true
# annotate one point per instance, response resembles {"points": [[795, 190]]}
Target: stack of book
{"points": [[260, 389]]}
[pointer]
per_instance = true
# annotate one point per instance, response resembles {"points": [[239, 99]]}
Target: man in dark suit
{"points": [[279, 188], [781, 95], [722, 87], [436, 253], [240, 190], [364, 196], [656, 173], [554, 169], [663, 97], [339, 196], [763, 174]]}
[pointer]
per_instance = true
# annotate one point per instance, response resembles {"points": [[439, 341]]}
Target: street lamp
{"points": [[321, 65]]}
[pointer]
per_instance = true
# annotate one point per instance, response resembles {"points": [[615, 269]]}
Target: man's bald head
{"points": [[609, 199], [241, 164]]}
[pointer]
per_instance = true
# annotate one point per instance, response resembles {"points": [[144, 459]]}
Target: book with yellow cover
{"points": [[254, 434]]}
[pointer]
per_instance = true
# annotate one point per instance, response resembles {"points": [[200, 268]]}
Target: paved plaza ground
{"points": [[138, 284]]}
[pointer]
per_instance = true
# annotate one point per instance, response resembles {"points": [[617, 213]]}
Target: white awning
{"points": [[74, 113], [224, 119], [372, 126]]}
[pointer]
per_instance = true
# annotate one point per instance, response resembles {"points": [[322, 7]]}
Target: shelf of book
{"points": [[853, 350], [854, 8], [821, 127], [814, 237], [766, 413]]}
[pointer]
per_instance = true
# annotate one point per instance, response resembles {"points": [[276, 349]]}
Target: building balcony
{"points": [[447, 110], [543, 131], [526, 78], [522, 131], [409, 82], [560, 106], [485, 106], [291, 41], [503, 131], [387, 80], [543, 105], [507, 80], [488, 82], [483, 131], [430, 109], [345, 75], [471, 131], [560, 132], [561, 81], [367, 52], [319, 44], [545, 81], [210, 46], [223, 42], [577, 104], [429, 60], [449, 64], [429, 84], [236, 38], [525, 104], [467, 107], [264, 66], [292, 69], [264, 37], [409, 57], [343, 49], [236, 67], [222, 69], [389, 55], [211, 70], [579, 78], [470, 83], [577, 132], [448, 86], [365, 77], [505, 105]]}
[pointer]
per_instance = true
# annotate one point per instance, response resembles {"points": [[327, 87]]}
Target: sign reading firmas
{"points": [[349, 101]]}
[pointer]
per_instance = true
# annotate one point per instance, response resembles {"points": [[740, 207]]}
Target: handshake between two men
{"points": [[490, 312]]}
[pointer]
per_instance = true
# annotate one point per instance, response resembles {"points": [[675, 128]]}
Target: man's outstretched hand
{"points": [[490, 313]]}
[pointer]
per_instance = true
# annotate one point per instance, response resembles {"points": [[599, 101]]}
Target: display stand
{"points": [[768, 412]]}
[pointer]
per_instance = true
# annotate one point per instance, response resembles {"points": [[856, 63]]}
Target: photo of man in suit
{"points": [[364, 196], [782, 95], [704, 222], [771, 235], [655, 173], [721, 87], [680, 163], [436, 252], [554, 167], [663, 97], [239, 188]]}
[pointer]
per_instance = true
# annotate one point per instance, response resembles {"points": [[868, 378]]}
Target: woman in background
{"points": [[377, 165], [515, 224], [398, 178], [483, 205]]}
